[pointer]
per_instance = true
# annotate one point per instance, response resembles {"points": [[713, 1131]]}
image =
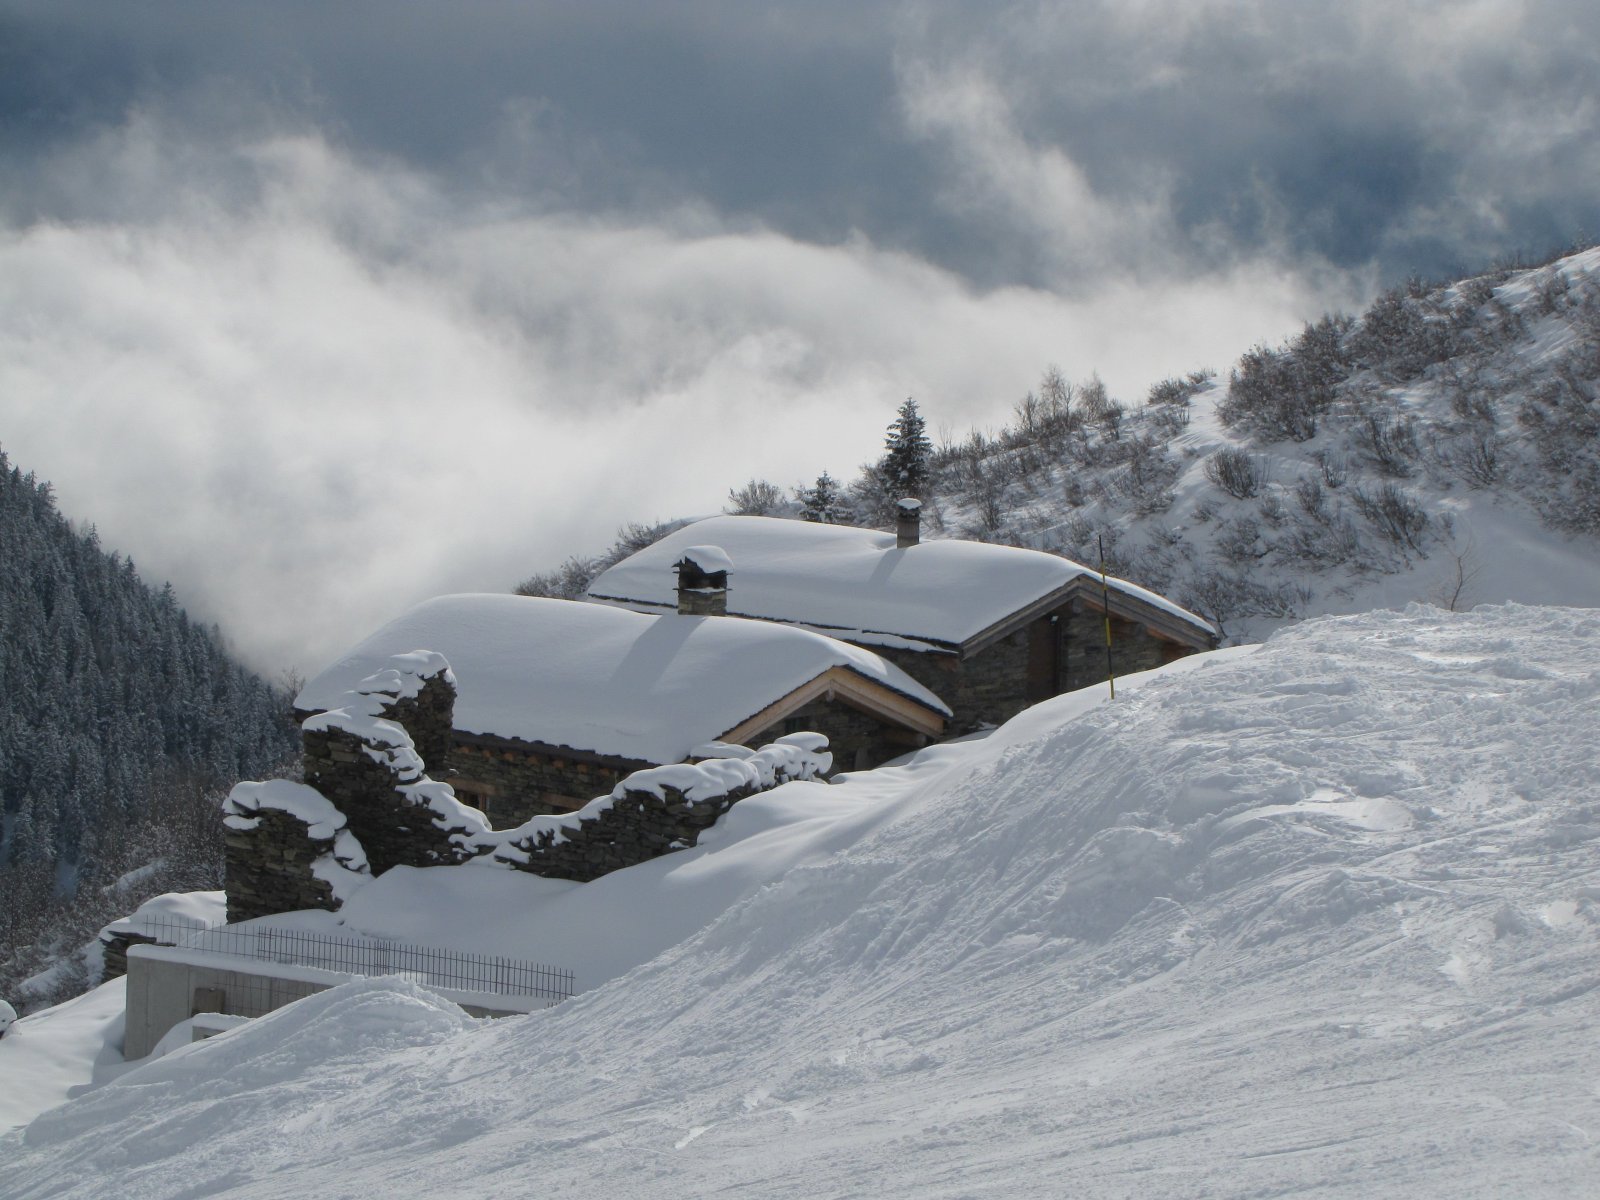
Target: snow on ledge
{"points": [[242, 809], [343, 867], [798, 756], [710, 559]]}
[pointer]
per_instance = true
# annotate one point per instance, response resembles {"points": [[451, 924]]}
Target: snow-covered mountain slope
{"points": [[1319, 918], [1444, 448]]}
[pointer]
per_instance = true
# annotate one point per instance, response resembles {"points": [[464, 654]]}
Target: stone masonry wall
{"points": [[511, 785], [1083, 654], [269, 868], [987, 689], [636, 828], [392, 828], [114, 953], [429, 717], [857, 740], [991, 687]]}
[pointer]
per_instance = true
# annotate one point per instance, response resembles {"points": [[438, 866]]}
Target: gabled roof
{"points": [[855, 583], [620, 684]]}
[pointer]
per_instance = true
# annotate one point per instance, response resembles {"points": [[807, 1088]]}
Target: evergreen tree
{"points": [[108, 695], [823, 502], [905, 464]]}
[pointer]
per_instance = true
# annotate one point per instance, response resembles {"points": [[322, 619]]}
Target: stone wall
{"points": [[987, 689], [511, 784], [652, 815], [392, 827], [857, 739], [269, 868], [114, 953], [991, 686], [429, 717], [1083, 655]]}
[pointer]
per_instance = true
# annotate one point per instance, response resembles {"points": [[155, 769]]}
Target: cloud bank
{"points": [[311, 390], [318, 314]]}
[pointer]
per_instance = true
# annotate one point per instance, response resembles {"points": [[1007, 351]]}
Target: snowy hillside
{"points": [[1444, 447], [1319, 918]]}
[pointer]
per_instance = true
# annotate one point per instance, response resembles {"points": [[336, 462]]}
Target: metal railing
{"points": [[434, 966]]}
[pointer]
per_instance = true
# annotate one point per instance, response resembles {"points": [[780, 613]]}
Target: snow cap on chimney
{"points": [[703, 581], [907, 522]]}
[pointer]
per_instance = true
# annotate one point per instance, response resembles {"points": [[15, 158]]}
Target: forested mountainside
{"points": [[121, 724], [1442, 447]]}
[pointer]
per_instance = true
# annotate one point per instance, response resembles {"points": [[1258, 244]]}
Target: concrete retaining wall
{"points": [[167, 985]]}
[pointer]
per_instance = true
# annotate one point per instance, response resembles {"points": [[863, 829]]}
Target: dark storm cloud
{"points": [[1415, 136], [1420, 136]]}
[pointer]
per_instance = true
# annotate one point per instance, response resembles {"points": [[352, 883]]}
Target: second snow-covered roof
{"points": [[604, 680], [857, 583]]}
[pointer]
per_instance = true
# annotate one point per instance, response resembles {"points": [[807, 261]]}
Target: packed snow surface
{"points": [[602, 679], [1315, 919], [856, 580]]}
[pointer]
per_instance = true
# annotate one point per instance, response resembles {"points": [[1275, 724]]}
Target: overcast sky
{"points": [[319, 309]]}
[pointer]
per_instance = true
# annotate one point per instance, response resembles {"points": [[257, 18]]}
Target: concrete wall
{"points": [[166, 986]]}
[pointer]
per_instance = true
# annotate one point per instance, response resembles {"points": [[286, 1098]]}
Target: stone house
{"points": [[989, 629], [556, 701]]}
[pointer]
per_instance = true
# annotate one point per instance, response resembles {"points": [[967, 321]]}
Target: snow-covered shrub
{"points": [[571, 579], [1403, 333], [1239, 541], [1395, 515], [1281, 394], [757, 498], [1237, 472], [1223, 596], [1388, 441], [1563, 418], [1147, 479]]}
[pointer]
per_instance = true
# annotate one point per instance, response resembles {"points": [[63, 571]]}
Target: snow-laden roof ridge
{"points": [[938, 591], [601, 679]]}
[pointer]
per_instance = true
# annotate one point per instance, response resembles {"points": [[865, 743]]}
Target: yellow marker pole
{"points": [[1105, 600]]}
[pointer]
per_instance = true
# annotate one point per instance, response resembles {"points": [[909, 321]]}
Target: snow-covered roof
{"points": [[855, 582], [601, 679]]}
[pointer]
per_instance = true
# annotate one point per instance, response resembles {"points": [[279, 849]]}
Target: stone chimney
{"points": [[907, 522], [703, 581]]}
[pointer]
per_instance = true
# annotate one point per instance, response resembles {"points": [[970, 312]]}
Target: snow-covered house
{"points": [[558, 701], [990, 629]]}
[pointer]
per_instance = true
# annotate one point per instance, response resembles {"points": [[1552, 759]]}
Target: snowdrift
{"points": [[1317, 919]]}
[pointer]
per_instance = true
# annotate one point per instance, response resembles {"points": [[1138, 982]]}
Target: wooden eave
{"points": [[1086, 588], [853, 688]]}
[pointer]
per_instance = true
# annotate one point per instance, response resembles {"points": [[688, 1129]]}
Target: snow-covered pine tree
{"points": [[907, 453], [122, 722], [823, 502]]}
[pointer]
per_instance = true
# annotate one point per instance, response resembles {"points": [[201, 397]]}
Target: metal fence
{"points": [[431, 965]]}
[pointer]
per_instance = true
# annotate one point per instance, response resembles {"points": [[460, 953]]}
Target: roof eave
{"points": [[1158, 621]]}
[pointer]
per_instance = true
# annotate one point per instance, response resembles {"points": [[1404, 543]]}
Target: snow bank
{"points": [[1317, 919], [601, 679], [199, 909], [47, 1056]]}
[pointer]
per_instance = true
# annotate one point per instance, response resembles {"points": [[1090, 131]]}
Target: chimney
{"points": [[907, 522], [703, 581]]}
